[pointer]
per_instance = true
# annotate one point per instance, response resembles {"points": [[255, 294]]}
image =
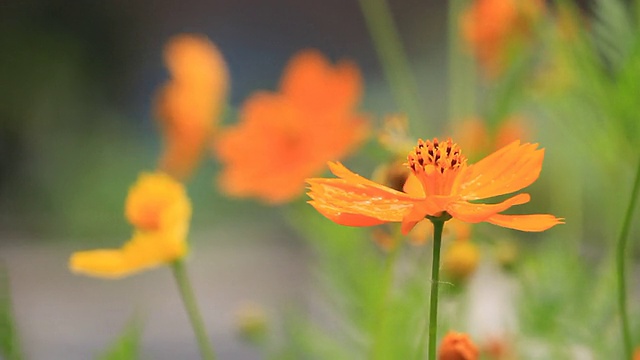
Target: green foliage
{"points": [[378, 299], [9, 340], [127, 345]]}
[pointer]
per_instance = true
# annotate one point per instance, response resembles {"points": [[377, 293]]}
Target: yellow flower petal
{"points": [[157, 202], [145, 250]]}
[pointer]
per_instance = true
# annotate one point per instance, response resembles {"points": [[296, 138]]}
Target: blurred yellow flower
{"points": [[157, 202], [145, 250], [460, 259], [158, 207], [252, 322], [284, 137], [493, 27], [457, 346], [189, 105], [441, 182]]}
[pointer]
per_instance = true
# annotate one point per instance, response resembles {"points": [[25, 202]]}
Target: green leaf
{"points": [[9, 342], [613, 31], [127, 345]]}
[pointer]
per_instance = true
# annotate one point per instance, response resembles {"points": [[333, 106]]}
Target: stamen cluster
{"points": [[433, 155]]}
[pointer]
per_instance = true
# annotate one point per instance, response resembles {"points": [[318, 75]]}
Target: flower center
{"points": [[436, 164], [435, 156]]}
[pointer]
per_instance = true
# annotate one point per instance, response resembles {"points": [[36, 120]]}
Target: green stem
{"points": [[431, 326], [438, 226], [621, 269], [9, 341], [387, 282], [189, 300], [392, 56]]}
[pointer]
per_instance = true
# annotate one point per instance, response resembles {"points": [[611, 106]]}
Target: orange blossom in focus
{"points": [[441, 183]]}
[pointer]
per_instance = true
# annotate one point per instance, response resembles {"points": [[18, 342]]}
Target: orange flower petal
{"points": [[473, 213], [413, 186], [313, 82], [457, 346], [507, 170], [190, 104], [194, 59], [348, 176], [285, 137], [339, 200], [334, 214], [535, 222]]}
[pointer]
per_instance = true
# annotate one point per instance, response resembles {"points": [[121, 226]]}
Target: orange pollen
{"points": [[441, 156]]}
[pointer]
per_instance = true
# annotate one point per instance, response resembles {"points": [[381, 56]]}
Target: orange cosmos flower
{"points": [[284, 137], [441, 182], [158, 207], [492, 27], [189, 105], [457, 346]]}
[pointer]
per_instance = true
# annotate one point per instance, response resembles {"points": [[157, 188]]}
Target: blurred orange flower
{"points": [[441, 182], [497, 348], [284, 137], [493, 27], [457, 346], [189, 105], [158, 207]]}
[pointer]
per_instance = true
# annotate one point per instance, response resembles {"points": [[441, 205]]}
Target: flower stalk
{"points": [[621, 267], [189, 300], [438, 226]]}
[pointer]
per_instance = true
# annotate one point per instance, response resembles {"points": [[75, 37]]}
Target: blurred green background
{"points": [[77, 81]]}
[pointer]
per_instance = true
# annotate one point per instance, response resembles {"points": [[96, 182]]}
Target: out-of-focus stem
{"points": [[392, 56], [387, 284], [189, 300], [621, 267]]}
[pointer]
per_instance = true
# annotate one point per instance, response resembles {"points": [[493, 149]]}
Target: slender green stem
{"points": [[621, 269], [383, 305], [189, 300], [392, 56], [9, 341], [438, 226], [431, 326]]}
